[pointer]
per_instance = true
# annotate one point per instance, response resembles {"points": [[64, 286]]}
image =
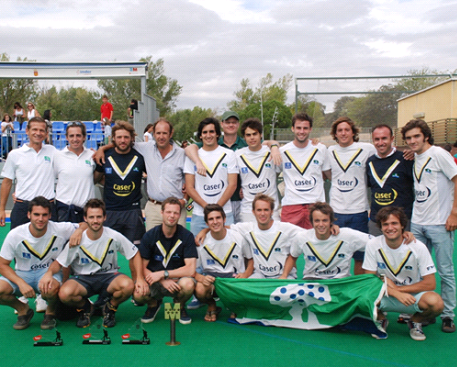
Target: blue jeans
{"points": [[442, 241], [357, 221]]}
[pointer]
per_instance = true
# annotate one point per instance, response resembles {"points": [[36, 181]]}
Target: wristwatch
{"points": [[165, 274]]}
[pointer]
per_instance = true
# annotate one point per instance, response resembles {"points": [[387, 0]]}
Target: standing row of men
{"points": [[303, 166]]}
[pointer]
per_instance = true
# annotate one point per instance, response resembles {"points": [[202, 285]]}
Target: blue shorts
{"points": [[32, 278]]}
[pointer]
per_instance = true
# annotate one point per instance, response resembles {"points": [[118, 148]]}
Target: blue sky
{"points": [[209, 46]]}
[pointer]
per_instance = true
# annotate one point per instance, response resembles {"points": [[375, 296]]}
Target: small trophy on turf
{"points": [[97, 335], [172, 313], [136, 335], [49, 341]]}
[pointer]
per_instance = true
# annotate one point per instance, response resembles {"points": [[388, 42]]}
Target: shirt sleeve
{"points": [[189, 166], [369, 261], [445, 162]]}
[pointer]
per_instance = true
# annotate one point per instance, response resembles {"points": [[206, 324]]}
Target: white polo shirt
{"points": [[224, 256], [33, 171], [219, 164], [433, 171], [405, 265], [31, 253], [270, 248], [302, 170], [99, 256], [75, 176], [348, 194], [330, 258], [258, 176]]}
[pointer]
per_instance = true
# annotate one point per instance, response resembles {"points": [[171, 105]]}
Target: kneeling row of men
{"points": [[165, 262]]}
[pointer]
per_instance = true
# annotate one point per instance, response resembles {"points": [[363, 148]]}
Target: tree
{"points": [[381, 108], [283, 116], [267, 90], [69, 104], [15, 90], [185, 122], [312, 108], [164, 89]]}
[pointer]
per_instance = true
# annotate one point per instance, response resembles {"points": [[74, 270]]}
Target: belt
{"points": [[26, 201], [155, 201]]}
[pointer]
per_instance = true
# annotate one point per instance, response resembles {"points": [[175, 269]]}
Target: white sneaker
{"points": [[415, 331], [23, 300], [41, 304]]}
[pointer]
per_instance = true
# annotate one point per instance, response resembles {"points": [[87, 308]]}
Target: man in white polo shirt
{"points": [[434, 218], [348, 194], [303, 166], [74, 170], [257, 172], [33, 247], [31, 166], [221, 177]]}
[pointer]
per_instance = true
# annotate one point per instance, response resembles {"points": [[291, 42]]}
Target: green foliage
{"points": [[381, 108], [185, 122], [312, 108], [283, 117], [15, 90], [267, 90], [164, 89], [69, 104]]}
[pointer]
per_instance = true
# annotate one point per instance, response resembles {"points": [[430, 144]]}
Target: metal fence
{"points": [[444, 131]]}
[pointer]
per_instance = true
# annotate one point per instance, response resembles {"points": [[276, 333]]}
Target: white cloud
{"points": [[209, 46]]}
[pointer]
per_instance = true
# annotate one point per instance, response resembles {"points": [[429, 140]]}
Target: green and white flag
{"points": [[300, 304]]}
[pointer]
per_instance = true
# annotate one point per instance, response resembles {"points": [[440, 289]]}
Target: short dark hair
{"points": [[105, 96], [302, 117], [95, 204], [213, 208], [355, 129], [252, 123], [39, 201], [209, 121], [381, 126], [263, 197], [422, 125], [384, 213], [79, 124], [324, 208], [172, 201], [37, 119]]}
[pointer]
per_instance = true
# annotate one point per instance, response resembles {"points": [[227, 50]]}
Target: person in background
{"points": [[130, 111], [47, 117], [107, 131], [148, 133], [31, 111], [7, 129], [19, 114], [106, 109]]}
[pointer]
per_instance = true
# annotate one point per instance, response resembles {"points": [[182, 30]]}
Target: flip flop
{"points": [[211, 316]]}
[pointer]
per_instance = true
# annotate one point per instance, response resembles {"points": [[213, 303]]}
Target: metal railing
{"points": [[444, 131]]}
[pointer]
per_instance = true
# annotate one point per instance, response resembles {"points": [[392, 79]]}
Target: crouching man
{"points": [[408, 269], [169, 262], [224, 254], [34, 246], [95, 268]]}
